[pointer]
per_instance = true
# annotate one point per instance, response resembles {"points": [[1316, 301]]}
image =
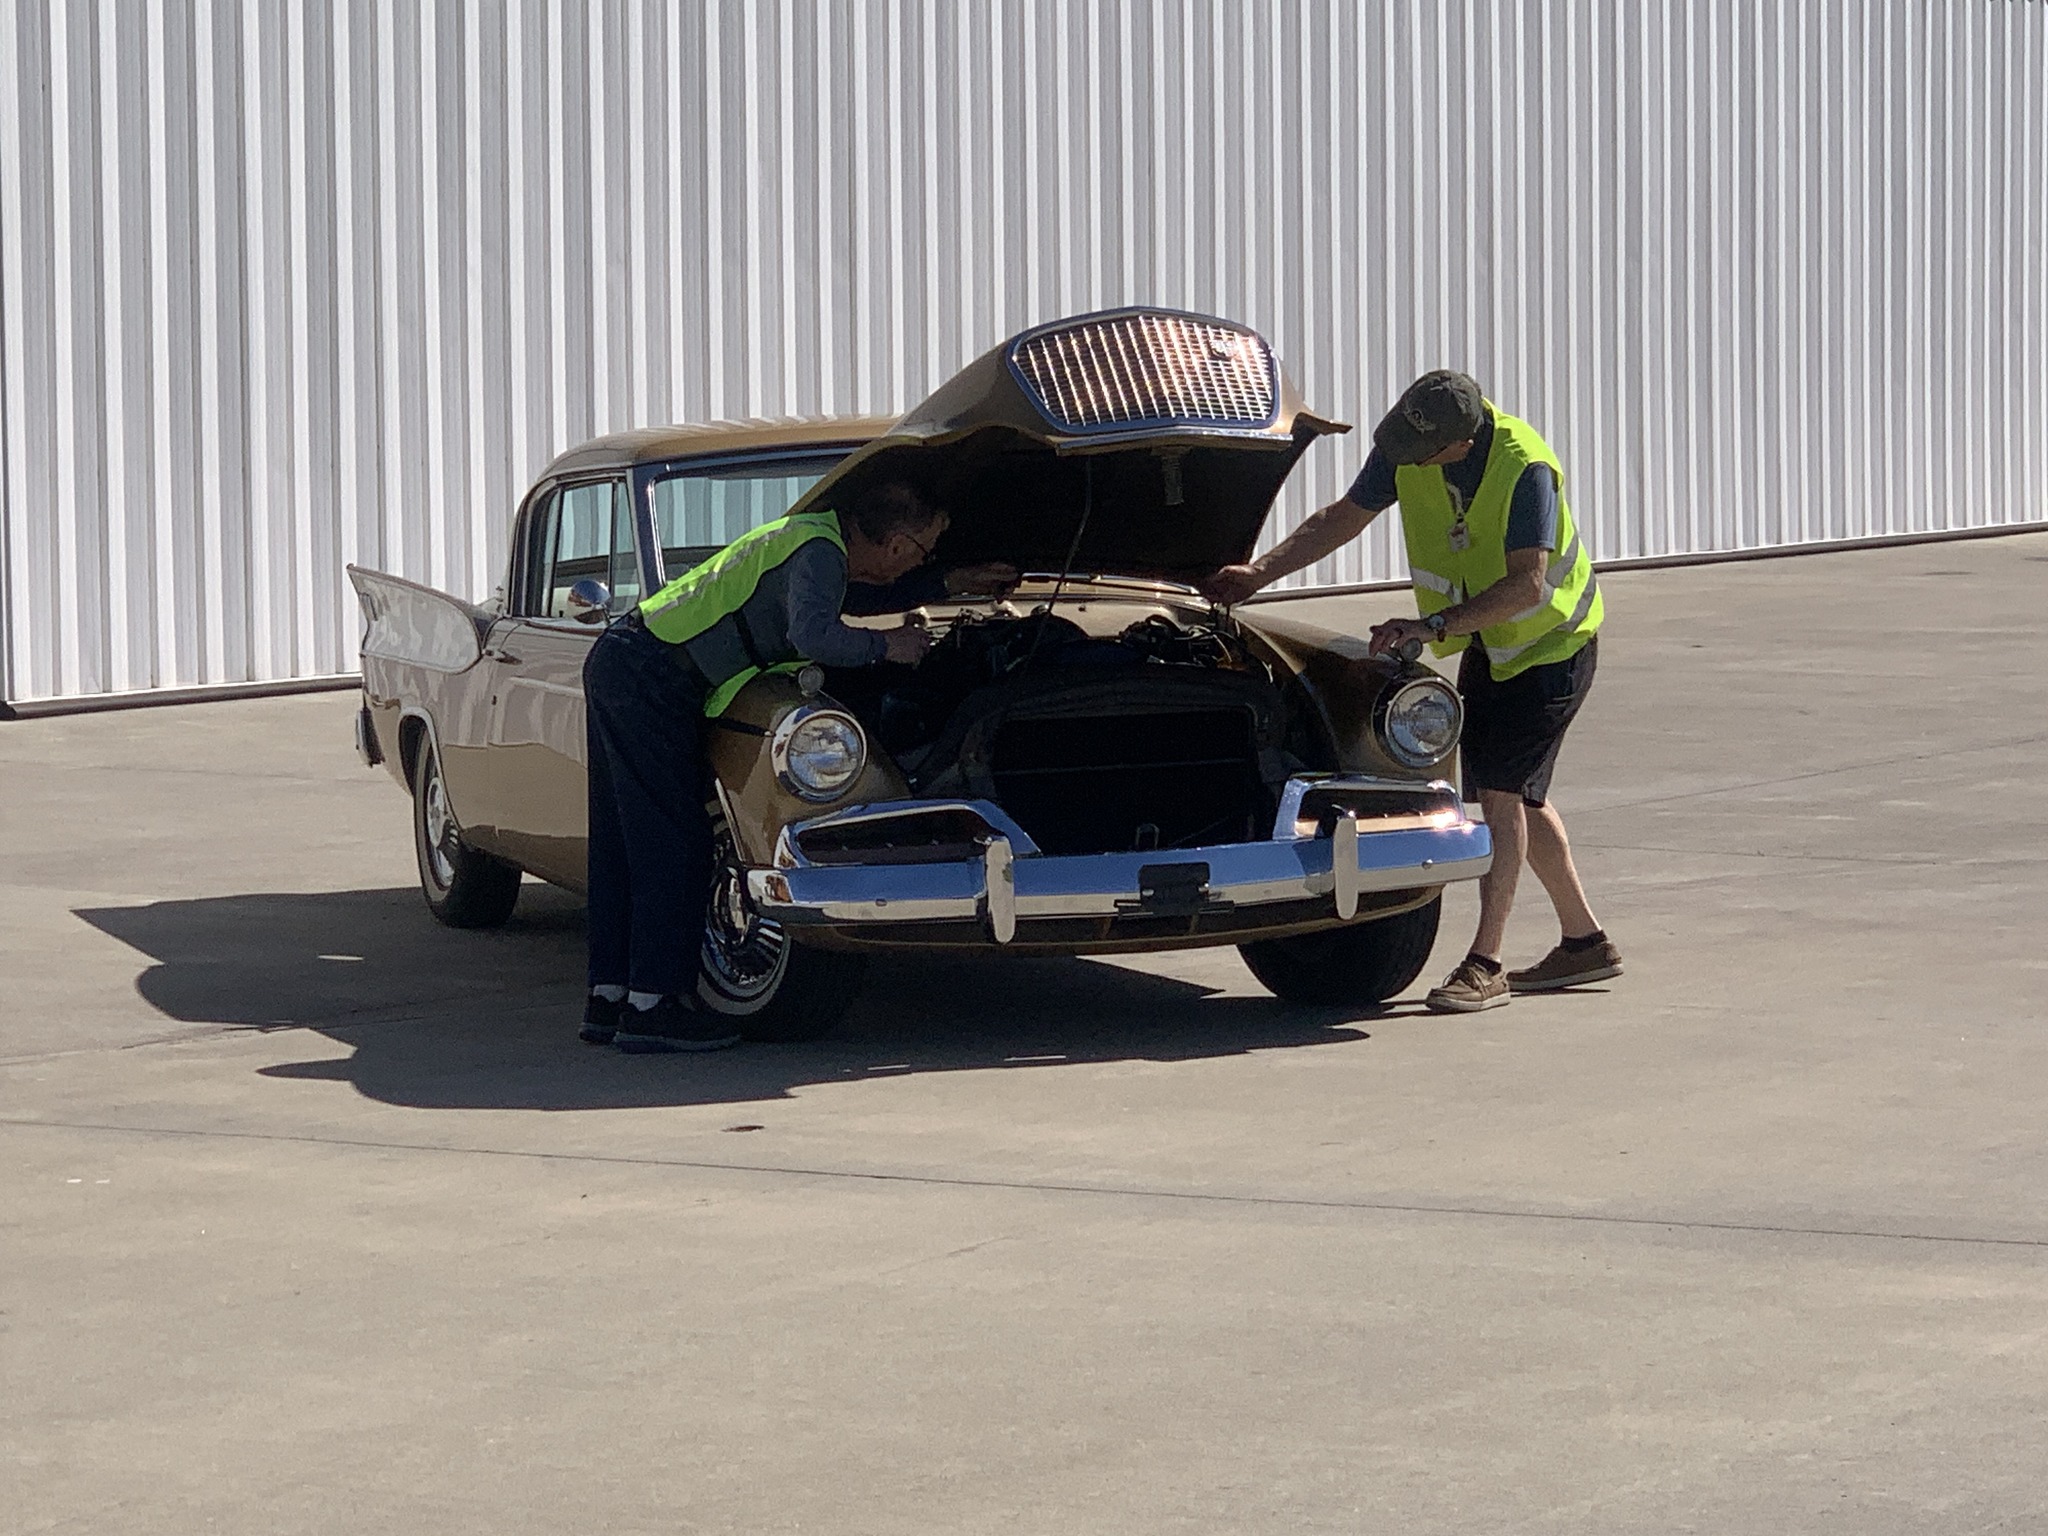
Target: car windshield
{"points": [[698, 511]]}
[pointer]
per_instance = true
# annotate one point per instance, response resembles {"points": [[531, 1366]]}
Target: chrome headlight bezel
{"points": [[788, 754], [1397, 738]]}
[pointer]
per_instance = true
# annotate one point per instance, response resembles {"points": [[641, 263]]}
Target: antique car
{"points": [[1097, 762]]}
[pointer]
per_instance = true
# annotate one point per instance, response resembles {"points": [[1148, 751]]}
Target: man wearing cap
{"points": [[1495, 557]]}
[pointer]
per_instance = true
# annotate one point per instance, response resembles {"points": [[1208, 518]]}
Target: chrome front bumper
{"points": [[1011, 882]]}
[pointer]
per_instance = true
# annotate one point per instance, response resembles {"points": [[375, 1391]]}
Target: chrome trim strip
{"points": [[1165, 432]]}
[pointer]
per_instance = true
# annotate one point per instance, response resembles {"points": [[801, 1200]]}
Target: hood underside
{"points": [[1134, 443]]}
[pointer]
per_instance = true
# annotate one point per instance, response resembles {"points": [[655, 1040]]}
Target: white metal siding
{"points": [[288, 285]]}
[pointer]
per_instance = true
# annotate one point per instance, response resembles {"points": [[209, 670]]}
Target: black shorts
{"points": [[1513, 730]]}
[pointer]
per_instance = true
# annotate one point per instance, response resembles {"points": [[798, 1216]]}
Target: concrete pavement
{"points": [[314, 1217]]}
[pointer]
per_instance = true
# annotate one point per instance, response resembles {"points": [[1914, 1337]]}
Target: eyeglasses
{"points": [[924, 550]]}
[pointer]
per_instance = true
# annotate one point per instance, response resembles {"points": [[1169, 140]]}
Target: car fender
{"points": [[420, 649], [1332, 675], [414, 625], [757, 804]]}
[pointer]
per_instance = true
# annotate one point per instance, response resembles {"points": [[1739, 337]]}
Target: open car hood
{"points": [[1136, 442]]}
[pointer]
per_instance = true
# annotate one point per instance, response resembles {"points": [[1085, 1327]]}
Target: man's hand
{"points": [[907, 644], [1231, 585], [991, 578], [1394, 635]]}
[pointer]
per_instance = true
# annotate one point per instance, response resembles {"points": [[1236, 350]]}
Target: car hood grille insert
{"points": [[1145, 369]]}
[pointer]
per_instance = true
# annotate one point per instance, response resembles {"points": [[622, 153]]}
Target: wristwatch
{"points": [[1435, 624]]}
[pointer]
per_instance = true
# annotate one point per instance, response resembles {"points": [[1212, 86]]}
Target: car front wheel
{"points": [[1358, 965], [463, 888], [771, 988]]}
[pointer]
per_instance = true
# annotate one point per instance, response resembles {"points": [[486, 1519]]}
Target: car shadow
{"points": [[435, 1018]]}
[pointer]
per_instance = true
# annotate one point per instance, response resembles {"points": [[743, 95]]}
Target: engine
{"points": [[1166, 735]]}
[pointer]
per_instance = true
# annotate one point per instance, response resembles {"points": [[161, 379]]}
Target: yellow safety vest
{"points": [[1445, 574], [711, 593]]}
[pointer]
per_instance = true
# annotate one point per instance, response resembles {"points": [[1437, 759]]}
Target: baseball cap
{"points": [[1437, 410]]}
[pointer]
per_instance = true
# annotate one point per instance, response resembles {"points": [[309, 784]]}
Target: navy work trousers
{"points": [[650, 835]]}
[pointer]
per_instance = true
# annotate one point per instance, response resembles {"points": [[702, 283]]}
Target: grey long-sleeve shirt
{"points": [[813, 598]]}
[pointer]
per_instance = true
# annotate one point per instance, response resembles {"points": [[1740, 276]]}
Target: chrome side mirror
{"points": [[590, 601]]}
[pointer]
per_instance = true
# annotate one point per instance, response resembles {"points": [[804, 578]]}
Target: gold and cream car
{"points": [[1099, 762]]}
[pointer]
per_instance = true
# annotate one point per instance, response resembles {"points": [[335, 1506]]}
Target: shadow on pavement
{"points": [[435, 1018]]}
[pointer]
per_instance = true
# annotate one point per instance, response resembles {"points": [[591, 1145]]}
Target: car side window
{"points": [[584, 531]]}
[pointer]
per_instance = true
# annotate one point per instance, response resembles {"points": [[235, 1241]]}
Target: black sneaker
{"points": [[673, 1024], [600, 1019]]}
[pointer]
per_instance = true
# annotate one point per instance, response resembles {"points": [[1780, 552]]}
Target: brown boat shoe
{"points": [[1468, 989], [1564, 967]]}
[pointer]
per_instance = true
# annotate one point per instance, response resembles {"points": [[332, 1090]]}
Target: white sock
{"points": [[643, 1000], [609, 992]]}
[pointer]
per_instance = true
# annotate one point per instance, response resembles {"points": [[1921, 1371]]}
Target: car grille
{"points": [[1146, 368], [1118, 783]]}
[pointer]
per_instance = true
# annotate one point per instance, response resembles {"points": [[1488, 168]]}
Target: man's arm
{"points": [[1322, 533], [930, 584], [926, 584], [816, 586], [1515, 593]]}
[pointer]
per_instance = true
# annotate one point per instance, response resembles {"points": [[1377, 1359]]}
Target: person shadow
{"points": [[432, 1017]]}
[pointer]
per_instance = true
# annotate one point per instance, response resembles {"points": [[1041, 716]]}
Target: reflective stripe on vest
{"points": [[1443, 574], [1443, 586], [714, 593], [1498, 656]]}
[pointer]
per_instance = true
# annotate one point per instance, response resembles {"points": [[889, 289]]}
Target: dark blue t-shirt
{"points": [[1532, 510]]}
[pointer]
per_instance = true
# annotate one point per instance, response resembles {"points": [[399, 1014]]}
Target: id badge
{"points": [[1461, 536]]}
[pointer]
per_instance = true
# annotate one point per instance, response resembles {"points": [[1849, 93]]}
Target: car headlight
{"points": [[1420, 723], [818, 753]]}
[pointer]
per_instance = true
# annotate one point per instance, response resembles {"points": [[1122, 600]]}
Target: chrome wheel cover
{"points": [[745, 955], [440, 838]]}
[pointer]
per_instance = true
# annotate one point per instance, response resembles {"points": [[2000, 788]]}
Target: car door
{"points": [[581, 530]]}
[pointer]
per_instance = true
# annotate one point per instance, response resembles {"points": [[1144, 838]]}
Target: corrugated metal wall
{"points": [[288, 285]]}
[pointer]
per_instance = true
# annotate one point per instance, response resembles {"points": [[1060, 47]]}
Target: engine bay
{"points": [[907, 708], [1164, 733]]}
